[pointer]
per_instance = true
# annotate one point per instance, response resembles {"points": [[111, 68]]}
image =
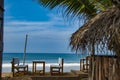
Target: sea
{"points": [[71, 60]]}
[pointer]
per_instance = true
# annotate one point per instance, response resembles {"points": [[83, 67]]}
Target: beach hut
{"points": [[100, 37]]}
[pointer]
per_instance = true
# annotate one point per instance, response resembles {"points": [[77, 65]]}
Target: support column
{"points": [[1, 34]]}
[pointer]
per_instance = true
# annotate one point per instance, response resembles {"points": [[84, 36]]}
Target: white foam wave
{"points": [[47, 64], [6, 67]]}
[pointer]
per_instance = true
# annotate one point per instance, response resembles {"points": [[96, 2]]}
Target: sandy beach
{"points": [[47, 76]]}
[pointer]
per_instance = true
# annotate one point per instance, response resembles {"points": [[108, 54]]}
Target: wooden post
{"points": [[1, 34], [12, 68], [80, 65], [99, 62], [87, 63], [25, 50], [102, 66], [90, 69], [97, 68], [93, 61]]}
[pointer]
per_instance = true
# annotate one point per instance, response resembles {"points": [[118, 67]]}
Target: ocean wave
{"points": [[47, 64], [6, 67]]}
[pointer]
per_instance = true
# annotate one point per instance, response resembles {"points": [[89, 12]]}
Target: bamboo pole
{"points": [[97, 68], [109, 75], [114, 69], [25, 50], [90, 69], [100, 69], [105, 67], [93, 61]]}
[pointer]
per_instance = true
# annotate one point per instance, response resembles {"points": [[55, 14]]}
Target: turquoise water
{"points": [[48, 57], [71, 61]]}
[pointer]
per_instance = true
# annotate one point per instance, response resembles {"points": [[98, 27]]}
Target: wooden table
{"points": [[34, 68]]}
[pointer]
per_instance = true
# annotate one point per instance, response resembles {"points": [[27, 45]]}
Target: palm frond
{"points": [[103, 30], [73, 8]]}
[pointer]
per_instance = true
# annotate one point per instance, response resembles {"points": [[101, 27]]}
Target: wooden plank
{"points": [[90, 69], [97, 68]]}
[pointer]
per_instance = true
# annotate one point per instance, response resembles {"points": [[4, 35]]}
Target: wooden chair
{"points": [[85, 63], [57, 69], [18, 69]]}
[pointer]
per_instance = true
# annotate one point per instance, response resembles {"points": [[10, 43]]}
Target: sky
{"points": [[48, 31]]}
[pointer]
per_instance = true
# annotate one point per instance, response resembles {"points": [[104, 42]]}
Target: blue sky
{"points": [[48, 31]]}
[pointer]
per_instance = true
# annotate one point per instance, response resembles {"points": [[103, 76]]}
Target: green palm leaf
{"points": [[73, 8], [77, 8]]}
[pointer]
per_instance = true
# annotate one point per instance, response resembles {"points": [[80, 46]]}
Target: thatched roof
{"points": [[103, 31]]}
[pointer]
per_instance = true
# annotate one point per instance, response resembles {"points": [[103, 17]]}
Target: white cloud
{"points": [[44, 36], [52, 35], [55, 25]]}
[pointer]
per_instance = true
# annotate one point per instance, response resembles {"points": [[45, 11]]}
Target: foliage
{"points": [[77, 8]]}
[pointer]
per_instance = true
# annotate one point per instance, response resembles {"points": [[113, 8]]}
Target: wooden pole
{"points": [[93, 61], [1, 34], [97, 69], [25, 50]]}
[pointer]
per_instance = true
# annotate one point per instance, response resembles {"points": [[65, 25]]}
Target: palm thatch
{"points": [[103, 31]]}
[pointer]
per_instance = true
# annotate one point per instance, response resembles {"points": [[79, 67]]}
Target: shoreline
{"points": [[67, 67]]}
